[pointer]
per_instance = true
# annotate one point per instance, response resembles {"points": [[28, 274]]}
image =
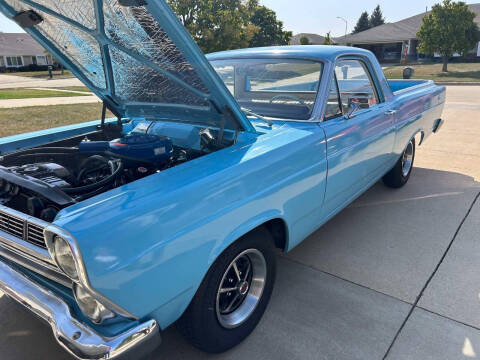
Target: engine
{"points": [[44, 180]]}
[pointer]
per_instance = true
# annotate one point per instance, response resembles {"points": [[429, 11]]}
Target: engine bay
{"points": [[41, 181]]}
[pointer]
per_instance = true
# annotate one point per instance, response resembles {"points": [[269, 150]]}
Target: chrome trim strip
{"points": [[29, 255], [77, 338], [49, 233], [21, 244], [45, 261], [49, 271], [25, 247]]}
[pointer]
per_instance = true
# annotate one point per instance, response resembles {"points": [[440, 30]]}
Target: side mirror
{"points": [[352, 109]]}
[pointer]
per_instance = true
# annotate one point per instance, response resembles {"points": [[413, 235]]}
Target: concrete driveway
{"points": [[394, 276]]}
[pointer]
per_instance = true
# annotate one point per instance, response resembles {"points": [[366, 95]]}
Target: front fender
{"points": [[148, 245], [245, 228], [171, 311]]}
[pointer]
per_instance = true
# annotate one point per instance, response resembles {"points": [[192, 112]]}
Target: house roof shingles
{"points": [[313, 38], [19, 44], [395, 32]]}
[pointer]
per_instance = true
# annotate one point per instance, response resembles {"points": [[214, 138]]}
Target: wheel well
{"points": [[419, 138], [278, 230]]}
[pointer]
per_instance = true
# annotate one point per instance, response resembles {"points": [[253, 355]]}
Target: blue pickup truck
{"points": [[171, 211]]}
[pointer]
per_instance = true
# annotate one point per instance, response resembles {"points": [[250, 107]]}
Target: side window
{"points": [[355, 84], [334, 108]]}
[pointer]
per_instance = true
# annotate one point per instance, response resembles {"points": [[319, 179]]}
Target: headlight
{"points": [[90, 307], [64, 257]]}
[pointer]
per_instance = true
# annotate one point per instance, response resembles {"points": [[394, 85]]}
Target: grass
{"points": [[57, 74], [25, 93], [21, 120], [457, 72]]}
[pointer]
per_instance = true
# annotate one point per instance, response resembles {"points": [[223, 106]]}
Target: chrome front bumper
{"points": [[76, 337]]}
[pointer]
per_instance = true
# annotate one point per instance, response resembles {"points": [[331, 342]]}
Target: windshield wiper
{"points": [[260, 117]]}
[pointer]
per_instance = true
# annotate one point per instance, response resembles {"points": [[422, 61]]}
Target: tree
{"points": [[230, 24], [269, 28], [363, 23], [328, 39], [304, 41], [376, 18], [216, 24], [448, 29]]}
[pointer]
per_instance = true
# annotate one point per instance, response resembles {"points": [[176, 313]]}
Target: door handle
{"points": [[391, 112]]}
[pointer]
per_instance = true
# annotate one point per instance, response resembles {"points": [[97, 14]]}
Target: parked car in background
{"points": [[112, 231]]}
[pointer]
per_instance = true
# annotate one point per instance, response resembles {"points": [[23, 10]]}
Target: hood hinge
{"points": [[227, 115], [28, 18]]}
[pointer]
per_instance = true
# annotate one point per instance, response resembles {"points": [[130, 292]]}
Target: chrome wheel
{"points": [[241, 288], [407, 158]]}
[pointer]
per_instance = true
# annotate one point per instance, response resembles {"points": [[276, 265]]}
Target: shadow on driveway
{"points": [[342, 294]]}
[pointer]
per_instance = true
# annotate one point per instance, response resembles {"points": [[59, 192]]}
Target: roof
{"points": [[315, 52], [314, 39], [19, 44], [405, 29]]}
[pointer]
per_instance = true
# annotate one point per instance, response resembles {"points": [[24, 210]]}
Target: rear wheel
{"points": [[233, 296], [399, 175]]}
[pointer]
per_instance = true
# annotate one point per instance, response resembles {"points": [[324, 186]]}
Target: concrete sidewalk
{"points": [[17, 103], [394, 276]]}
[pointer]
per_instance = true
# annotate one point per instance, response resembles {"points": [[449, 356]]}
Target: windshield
{"points": [[278, 88]]}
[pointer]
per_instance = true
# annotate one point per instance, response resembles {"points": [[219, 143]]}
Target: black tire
{"points": [[200, 324], [398, 177]]}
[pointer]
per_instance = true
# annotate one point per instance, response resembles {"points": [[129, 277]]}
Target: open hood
{"points": [[133, 54]]}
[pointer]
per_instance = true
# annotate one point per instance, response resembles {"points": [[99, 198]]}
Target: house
{"points": [[20, 50], [393, 41], [313, 39]]}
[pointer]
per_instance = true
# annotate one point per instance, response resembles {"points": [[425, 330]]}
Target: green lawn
{"points": [[57, 74], [21, 120], [25, 93], [457, 72]]}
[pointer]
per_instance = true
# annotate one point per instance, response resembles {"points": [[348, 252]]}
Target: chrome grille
{"points": [[12, 225], [22, 229], [35, 235]]}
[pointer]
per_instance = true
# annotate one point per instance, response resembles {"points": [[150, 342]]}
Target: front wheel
{"points": [[233, 296], [399, 175]]}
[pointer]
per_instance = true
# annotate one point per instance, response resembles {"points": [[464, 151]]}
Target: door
{"points": [[359, 129]]}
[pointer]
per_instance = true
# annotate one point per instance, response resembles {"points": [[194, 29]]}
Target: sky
{"points": [[320, 16]]}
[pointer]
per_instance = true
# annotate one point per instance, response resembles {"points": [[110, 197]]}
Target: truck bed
{"points": [[399, 86]]}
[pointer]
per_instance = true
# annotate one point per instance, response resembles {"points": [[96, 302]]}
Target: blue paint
{"points": [[191, 213], [397, 85], [37, 138], [147, 245]]}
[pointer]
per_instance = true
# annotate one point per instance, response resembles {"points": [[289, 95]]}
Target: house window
{"points": [[14, 61], [42, 60]]}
